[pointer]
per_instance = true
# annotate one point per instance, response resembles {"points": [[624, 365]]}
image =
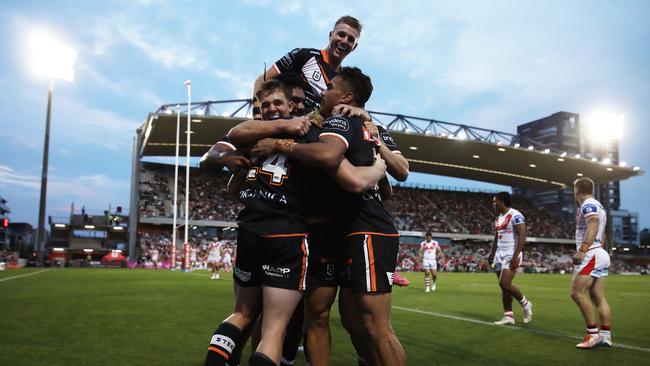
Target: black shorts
{"points": [[325, 253], [370, 260], [272, 260]]}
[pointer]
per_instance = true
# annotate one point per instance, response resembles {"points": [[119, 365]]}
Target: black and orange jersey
{"points": [[273, 195], [313, 66], [358, 212]]}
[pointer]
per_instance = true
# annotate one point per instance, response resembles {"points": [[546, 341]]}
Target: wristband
{"points": [[284, 145]]}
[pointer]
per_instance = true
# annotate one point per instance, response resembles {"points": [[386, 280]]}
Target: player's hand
{"points": [[380, 164], [262, 148], [351, 111], [578, 257], [514, 263], [297, 126], [372, 129], [236, 163], [491, 258]]}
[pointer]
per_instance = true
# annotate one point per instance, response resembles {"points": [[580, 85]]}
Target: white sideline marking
{"points": [[537, 331], [25, 275]]}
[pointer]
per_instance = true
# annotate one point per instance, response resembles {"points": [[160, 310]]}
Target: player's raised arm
{"points": [[269, 74]]}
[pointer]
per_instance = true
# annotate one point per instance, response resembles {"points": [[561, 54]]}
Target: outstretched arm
{"points": [[358, 179], [223, 154], [248, 132], [269, 74], [326, 153]]}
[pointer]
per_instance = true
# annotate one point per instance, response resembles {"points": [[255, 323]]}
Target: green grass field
{"points": [[139, 317]]}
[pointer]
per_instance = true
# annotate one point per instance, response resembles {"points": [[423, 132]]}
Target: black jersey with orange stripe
{"points": [[274, 193], [358, 212], [312, 64]]}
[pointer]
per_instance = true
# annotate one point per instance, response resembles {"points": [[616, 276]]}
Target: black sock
{"points": [[260, 359], [288, 354], [222, 344]]}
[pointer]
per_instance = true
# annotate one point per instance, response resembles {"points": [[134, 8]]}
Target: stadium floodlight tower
{"points": [[604, 130], [48, 57]]}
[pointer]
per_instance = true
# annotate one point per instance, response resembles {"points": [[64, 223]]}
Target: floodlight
{"points": [[50, 57], [603, 127]]}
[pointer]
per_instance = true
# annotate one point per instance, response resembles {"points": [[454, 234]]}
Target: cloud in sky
{"points": [[490, 64]]}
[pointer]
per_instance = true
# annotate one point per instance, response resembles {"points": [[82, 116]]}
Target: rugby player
{"points": [[506, 255], [371, 239], [214, 258], [317, 67], [427, 258], [592, 266], [272, 245]]}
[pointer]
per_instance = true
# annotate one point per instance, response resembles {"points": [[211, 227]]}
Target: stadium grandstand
{"points": [[461, 219]]}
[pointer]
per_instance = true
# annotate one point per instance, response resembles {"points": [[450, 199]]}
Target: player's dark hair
{"points": [[428, 234], [584, 185], [503, 197], [359, 82], [291, 80], [351, 21], [270, 86]]}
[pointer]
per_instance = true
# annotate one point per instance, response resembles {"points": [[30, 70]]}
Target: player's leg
{"points": [[229, 333], [597, 293], [319, 302], [375, 312], [373, 259], [434, 277], [427, 280], [279, 306], [350, 311], [580, 294], [294, 335], [506, 300]]}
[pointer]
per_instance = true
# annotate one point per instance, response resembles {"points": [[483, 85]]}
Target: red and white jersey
{"points": [[215, 249], [505, 229], [429, 248], [590, 207]]}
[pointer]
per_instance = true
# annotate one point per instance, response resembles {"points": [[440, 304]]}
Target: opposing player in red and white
{"points": [[506, 255], [427, 256], [592, 266], [214, 258]]}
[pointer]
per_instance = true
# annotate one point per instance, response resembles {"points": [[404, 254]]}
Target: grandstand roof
{"points": [[483, 159]]}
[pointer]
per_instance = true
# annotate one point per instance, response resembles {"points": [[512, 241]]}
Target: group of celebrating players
{"points": [[310, 170]]}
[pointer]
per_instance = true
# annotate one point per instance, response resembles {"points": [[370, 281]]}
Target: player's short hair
{"points": [[428, 234], [351, 21], [503, 197], [584, 185], [291, 80], [359, 82], [270, 86]]}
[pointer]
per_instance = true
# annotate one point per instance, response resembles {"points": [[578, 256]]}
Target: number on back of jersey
{"points": [[275, 166]]}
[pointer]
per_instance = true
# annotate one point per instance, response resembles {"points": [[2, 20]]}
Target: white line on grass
{"points": [[25, 275], [532, 330]]}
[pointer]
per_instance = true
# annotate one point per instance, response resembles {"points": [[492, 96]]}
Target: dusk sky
{"points": [[491, 64]]}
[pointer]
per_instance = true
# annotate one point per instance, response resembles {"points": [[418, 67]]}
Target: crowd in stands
{"points": [[414, 209]]}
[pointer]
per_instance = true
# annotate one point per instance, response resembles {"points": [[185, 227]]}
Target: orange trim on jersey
{"points": [[371, 260], [324, 54], [282, 235], [303, 273], [222, 353], [327, 80], [370, 233]]}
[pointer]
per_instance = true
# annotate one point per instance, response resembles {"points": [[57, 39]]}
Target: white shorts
{"points": [[594, 264], [502, 259], [214, 259], [429, 264], [227, 259]]}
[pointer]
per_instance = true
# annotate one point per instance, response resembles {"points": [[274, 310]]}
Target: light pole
{"points": [[53, 59]]}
